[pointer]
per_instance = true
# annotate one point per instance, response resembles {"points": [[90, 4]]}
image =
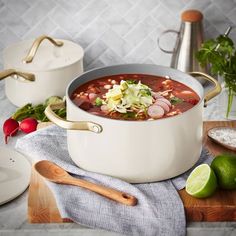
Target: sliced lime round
{"points": [[201, 182]]}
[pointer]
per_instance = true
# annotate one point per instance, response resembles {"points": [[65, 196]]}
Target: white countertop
{"points": [[13, 215]]}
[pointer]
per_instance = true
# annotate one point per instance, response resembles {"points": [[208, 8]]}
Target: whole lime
{"points": [[224, 167]]}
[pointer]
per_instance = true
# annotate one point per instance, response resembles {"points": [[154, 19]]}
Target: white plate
{"points": [[15, 172], [224, 136]]}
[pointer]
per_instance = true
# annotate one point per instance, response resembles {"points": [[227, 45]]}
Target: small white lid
{"points": [[48, 56], [15, 171]]}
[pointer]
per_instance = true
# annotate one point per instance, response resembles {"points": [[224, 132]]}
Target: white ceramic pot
{"points": [[46, 71], [135, 151]]}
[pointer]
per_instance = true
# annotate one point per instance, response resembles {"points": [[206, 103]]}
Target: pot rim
{"points": [[7, 49], [68, 99]]}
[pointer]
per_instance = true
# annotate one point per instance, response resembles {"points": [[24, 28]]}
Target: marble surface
{"points": [[13, 215]]}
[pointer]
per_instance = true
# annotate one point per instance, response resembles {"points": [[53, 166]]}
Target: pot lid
{"points": [[47, 56]]}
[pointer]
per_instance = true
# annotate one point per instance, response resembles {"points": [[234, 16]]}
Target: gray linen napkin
{"points": [[159, 210]]}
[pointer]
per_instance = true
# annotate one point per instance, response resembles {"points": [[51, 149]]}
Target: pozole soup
{"points": [[134, 97]]}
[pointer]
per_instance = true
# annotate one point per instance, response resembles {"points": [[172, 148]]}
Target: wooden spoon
{"points": [[55, 173]]}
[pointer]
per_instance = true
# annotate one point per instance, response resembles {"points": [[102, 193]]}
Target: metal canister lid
{"points": [[191, 16]]}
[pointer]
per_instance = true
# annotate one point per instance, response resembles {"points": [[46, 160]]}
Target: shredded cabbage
{"points": [[127, 97]]}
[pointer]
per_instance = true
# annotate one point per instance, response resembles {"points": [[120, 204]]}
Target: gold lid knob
{"points": [[191, 16]]}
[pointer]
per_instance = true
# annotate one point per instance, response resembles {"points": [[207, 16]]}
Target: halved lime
{"points": [[201, 182]]}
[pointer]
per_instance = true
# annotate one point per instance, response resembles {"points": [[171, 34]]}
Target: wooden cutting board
{"points": [[221, 206]]}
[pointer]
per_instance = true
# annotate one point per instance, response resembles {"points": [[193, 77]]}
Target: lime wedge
{"points": [[201, 182]]}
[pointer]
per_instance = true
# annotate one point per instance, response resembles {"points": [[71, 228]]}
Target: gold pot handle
{"points": [[213, 92], [9, 72], [30, 56], [70, 125]]}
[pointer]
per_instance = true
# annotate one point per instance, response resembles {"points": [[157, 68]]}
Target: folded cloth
{"points": [[159, 210]]}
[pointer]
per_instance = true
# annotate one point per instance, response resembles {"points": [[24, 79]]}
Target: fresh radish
{"points": [[92, 96], [155, 111], [10, 128], [163, 105], [156, 95], [164, 100], [28, 125]]}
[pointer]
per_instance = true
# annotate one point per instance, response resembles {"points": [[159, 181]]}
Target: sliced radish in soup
{"points": [[165, 101], [156, 111], [163, 105], [92, 96]]}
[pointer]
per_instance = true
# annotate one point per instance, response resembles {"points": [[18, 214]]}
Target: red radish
{"points": [[163, 105], [155, 111], [28, 125], [92, 96], [156, 95], [10, 128], [164, 100]]}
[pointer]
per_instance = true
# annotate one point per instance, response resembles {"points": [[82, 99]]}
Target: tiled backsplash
{"points": [[110, 31]]}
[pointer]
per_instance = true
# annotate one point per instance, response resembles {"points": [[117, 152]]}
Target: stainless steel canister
{"points": [[189, 40]]}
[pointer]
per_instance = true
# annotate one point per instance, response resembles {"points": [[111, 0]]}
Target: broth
{"points": [[134, 97]]}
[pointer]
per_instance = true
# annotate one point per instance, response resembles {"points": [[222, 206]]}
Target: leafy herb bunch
{"points": [[37, 111], [220, 54]]}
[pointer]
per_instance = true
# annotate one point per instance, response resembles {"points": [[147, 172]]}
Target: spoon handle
{"points": [[113, 194]]}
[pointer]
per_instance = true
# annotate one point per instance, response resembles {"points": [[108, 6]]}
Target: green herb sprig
{"points": [[37, 111], [98, 102], [176, 100], [130, 81], [220, 54]]}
